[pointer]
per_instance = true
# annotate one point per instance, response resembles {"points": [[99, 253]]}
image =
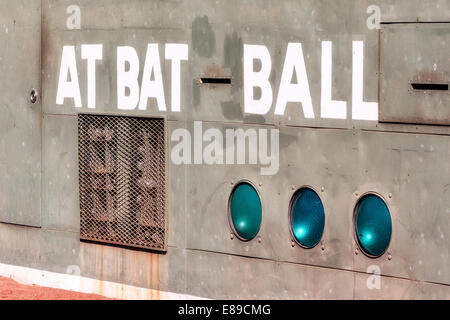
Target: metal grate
{"points": [[122, 172]]}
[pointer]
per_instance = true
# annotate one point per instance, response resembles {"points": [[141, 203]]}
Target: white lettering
{"points": [[68, 89], [176, 52], [259, 79], [127, 79], [329, 108], [360, 110], [152, 88], [91, 52], [294, 92]]}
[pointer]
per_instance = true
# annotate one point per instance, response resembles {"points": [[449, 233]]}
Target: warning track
{"points": [[12, 290]]}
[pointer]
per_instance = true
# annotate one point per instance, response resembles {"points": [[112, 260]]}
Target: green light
{"points": [[373, 225], [307, 218], [245, 211]]}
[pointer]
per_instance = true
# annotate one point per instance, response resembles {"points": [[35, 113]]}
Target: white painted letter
{"points": [[91, 52], [294, 92], [127, 79], [360, 110], [329, 108], [176, 52], [152, 88], [259, 79], [68, 89]]}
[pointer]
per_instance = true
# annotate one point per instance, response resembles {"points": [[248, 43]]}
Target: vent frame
{"points": [[130, 209]]}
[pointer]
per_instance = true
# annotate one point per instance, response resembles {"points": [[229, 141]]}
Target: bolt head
{"points": [[33, 96]]}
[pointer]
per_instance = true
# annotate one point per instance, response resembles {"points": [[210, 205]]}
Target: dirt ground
{"points": [[12, 290]]}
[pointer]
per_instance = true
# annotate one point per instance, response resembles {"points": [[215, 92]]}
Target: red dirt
{"points": [[12, 290]]}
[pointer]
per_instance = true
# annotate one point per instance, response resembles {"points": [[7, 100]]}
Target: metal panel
{"points": [[122, 172], [414, 10], [177, 197], [339, 164], [418, 198], [346, 164], [20, 124], [221, 276], [215, 35], [38, 248], [415, 73], [370, 287], [134, 267], [60, 174]]}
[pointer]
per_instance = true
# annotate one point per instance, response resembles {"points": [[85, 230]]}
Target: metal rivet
{"points": [[323, 247], [356, 251], [33, 96], [293, 187], [390, 195], [231, 236], [356, 193], [231, 182], [259, 240], [322, 189], [389, 257], [292, 243], [260, 184]]}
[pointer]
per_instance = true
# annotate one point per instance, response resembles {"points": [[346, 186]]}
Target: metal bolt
{"points": [[293, 187], [389, 257], [259, 239], [33, 96], [322, 189], [292, 243], [356, 251], [390, 195], [231, 236], [356, 193], [260, 184]]}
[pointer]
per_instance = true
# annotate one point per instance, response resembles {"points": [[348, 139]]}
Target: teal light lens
{"points": [[307, 218], [245, 211], [373, 225]]}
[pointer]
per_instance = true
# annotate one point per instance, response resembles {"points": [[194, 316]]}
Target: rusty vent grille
{"points": [[122, 172]]}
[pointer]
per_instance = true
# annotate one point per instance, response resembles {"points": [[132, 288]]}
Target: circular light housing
{"points": [[373, 225], [245, 212], [307, 218]]}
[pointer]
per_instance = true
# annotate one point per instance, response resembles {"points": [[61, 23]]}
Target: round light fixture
{"points": [[245, 211], [307, 217], [373, 225]]}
